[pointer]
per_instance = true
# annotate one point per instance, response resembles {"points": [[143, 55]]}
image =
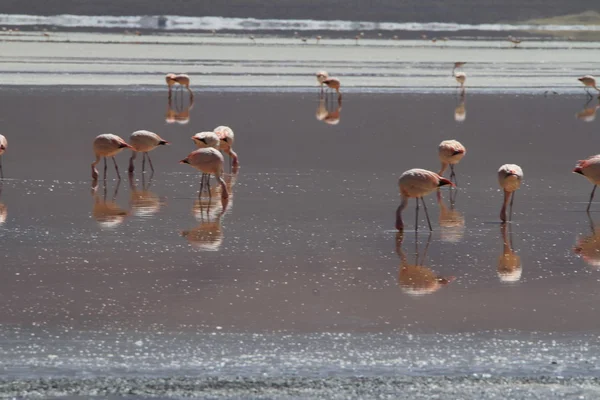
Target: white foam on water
{"points": [[174, 22]]}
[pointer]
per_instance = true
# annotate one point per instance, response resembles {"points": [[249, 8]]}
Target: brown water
{"points": [[307, 241]]}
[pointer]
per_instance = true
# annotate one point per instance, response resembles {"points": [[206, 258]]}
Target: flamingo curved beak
{"points": [[578, 170]]}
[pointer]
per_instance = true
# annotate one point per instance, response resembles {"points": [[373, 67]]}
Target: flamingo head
{"points": [[163, 142], [444, 181], [2, 147], [124, 145]]}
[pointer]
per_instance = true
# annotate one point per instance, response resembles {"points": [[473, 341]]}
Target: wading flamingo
{"points": [[509, 177], [208, 161], [181, 79], [458, 64], [226, 139], [450, 152], [461, 77], [416, 183], [107, 145], [143, 142], [3, 147], [589, 82], [333, 83], [514, 41], [204, 140], [590, 168]]}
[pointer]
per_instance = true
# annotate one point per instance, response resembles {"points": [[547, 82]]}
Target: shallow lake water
{"points": [[305, 250]]}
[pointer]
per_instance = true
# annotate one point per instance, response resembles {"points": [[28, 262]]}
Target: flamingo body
{"points": [[588, 81], [416, 183], [107, 145], [206, 139], [509, 178], [461, 78], [333, 83], [450, 153], [209, 161], [3, 144], [145, 141]]}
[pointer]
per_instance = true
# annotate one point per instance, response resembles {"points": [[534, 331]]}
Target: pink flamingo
{"points": [[416, 183], [450, 152], [226, 138], [107, 145], [143, 142], [3, 146], [590, 168], [509, 177], [209, 161], [588, 81]]}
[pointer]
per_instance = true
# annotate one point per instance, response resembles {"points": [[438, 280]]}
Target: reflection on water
{"points": [[143, 203], [328, 111], [417, 279], [178, 110], [106, 212], [460, 112], [588, 114], [209, 209], [588, 247], [3, 208], [452, 222], [509, 263]]}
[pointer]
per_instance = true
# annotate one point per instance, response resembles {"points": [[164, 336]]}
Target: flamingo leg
{"points": [[105, 167], [201, 185], [399, 223], [503, 210], [453, 175], [143, 163], [131, 166], [426, 213], [512, 199], [224, 192], [591, 198], [417, 215], [150, 162], [2, 172], [116, 168]]}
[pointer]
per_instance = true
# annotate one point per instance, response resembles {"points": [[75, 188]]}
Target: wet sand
{"points": [[301, 274]]}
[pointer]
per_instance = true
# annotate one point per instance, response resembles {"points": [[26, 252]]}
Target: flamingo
{"points": [[143, 142], [450, 152], [209, 161], [333, 83], [416, 183], [204, 140], [3, 147], [226, 139], [322, 77], [181, 79], [318, 39], [461, 77], [509, 177], [107, 145], [588, 81], [514, 40], [590, 168], [458, 64]]}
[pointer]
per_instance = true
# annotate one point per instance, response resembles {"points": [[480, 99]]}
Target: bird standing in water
{"points": [[3, 146], [450, 152], [416, 183], [208, 161], [509, 177], [107, 145], [588, 81], [143, 142], [590, 168]]}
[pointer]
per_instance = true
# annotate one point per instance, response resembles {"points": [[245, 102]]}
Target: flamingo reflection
{"points": [[107, 213], [452, 222], [460, 112], [209, 212], [588, 247], [509, 263], [143, 203], [327, 111], [179, 112], [588, 114], [417, 279], [3, 208]]}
